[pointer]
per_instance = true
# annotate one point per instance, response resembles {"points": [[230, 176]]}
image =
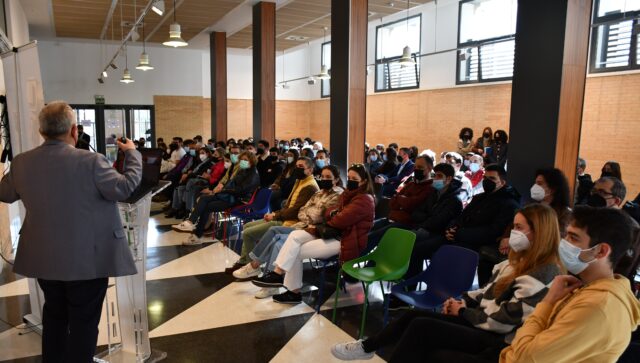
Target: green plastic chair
{"points": [[391, 259]]}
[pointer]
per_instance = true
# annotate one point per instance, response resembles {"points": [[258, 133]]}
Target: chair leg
{"points": [[364, 311], [321, 288], [385, 299], [335, 301]]}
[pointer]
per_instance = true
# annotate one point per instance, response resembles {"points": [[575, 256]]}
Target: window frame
{"points": [[611, 19], [322, 90], [415, 56], [478, 44]]}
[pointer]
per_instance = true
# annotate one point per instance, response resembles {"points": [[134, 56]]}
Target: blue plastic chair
{"points": [[255, 209], [450, 273]]}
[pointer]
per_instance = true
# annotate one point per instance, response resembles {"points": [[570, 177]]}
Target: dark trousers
{"points": [[423, 249], [426, 336], [379, 229], [70, 319], [205, 205]]}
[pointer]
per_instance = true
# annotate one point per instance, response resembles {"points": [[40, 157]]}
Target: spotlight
{"points": [[113, 65], [100, 80], [158, 7]]}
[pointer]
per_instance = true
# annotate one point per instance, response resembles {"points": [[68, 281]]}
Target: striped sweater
{"points": [[505, 313]]}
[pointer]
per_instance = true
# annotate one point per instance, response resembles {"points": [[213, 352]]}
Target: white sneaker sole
{"points": [[341, 356], [263, 295], [182, 229], [243, 276]]}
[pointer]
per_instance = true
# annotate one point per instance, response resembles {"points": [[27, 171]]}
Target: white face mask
{"points": [[537, 193], [227, 164], [289, 159], [203, 157], [467, 163], [570, 256], [518, 241]]}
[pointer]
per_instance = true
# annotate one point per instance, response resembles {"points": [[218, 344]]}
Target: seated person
{"points": [[182, 166], [475, 173], [550, 188], [346, 236], [195, 180], [466, 192], [480, 224], [304, 188], [373, 162], [310, 215], [584, 183], [272, 168], [587, 316], [413, 193], [281, 187], [237, 191], [321, 160], [483, 321], [390, 158], [391, 180]]}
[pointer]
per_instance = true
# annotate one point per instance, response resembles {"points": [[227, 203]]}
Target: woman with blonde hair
{"points": [[477, 327]]}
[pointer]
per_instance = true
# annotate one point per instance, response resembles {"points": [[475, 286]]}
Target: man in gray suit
{"points": [[72, 238]]}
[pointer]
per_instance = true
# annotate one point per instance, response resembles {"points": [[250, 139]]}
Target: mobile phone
{"points": [[123, 140]]}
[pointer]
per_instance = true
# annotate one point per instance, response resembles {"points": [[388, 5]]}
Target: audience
{"points": [[587, 316], [390, 181], [466, 190], [373, 162], [483, 321], [498, 152], [484, 142], [465, 143], [583, 183], [281, 187], [475, 173]]}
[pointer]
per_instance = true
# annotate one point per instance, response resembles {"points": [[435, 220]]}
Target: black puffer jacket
{"points": [[486, 217], [439, 209], [243, 184]]}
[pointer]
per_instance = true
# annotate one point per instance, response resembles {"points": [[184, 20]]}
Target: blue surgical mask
{"points": [[234, 158], [373, 157], [192, 152], [438, 184], [244, 164], [570, 256], [320, 163], [474, 167]]}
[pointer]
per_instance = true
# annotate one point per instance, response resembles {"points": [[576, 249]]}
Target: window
{"points": [[486, 31], [614, 41], [325, 60], [391, 40]]}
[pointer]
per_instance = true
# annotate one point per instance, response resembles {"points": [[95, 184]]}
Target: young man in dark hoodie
{"points": [[480, 224]]}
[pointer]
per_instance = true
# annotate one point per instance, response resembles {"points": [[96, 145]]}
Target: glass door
{"points": [[87, 118], [114, 128], [140, 125]]}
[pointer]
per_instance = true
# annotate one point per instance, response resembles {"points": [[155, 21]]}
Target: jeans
{"points": [[299, 246], [206, 205], [71, 314], [251, 233], [426, 336], [193, 188], [262, 250], [178, 196]]}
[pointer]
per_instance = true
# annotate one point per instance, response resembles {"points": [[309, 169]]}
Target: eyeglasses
{"points": [[603, 193]]}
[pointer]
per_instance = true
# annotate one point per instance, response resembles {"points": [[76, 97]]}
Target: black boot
{"points": [[171, 213], [181, 213]]}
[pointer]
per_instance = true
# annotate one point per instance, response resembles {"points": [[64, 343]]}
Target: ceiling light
{"points": [[285, 86], [126, 77], [175, 39], [406, 60], [158, 7], [135, 36], [143, 63], [324, 73]]}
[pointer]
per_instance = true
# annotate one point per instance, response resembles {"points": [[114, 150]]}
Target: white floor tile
{"points": [[354, 296], [313, 343], [18, 287], [15, 346], [234, 304], [211, 259]]}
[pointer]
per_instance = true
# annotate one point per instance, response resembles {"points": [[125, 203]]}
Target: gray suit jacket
{"points": [[72, 228]]}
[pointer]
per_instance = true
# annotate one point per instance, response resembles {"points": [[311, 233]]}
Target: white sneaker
{"points": [[185, 226], [246, 272], [193, 240], [266, 292], [350, 351]]}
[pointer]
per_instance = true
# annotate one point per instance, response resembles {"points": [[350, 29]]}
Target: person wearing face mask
{"points": [[374, 161], [176, 175], [311, 214], [413, 194], [237, 191], [282, 186], [272, 168], [484, 321], [611, 169], [303, 189], [475, 174], [262, 152], [392, 180], [381, 151], [389, 164], [466, 191], [344, 234], [587, 316], [483, 142], [321, 160], [584, 183], [465, 142], [194, 180], [498, 152], [230, 171]]}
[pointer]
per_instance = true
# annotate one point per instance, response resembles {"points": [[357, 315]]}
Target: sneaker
{"points": [[267, 292], [247, 271], [270, 279], [184, 227], [350, 351], [193, 240], [236, 266], [288, 297]]}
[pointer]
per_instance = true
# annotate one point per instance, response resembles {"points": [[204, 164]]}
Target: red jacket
{"points": [[475, 178], [354, 218], [407, 199], [216, 172]]}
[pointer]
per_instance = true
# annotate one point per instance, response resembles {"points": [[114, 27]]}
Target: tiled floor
{"points": [[197, 313]]}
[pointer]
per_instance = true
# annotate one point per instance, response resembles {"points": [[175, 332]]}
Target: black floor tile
{"points": [[36, 359], [157, 256]]}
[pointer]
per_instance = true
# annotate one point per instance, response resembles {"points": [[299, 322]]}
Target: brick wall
{"points": [[179, 116]]}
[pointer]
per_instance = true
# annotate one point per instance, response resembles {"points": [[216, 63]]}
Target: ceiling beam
{"points": [[107, 20]]}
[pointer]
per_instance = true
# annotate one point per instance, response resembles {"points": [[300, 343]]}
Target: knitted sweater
{"points": [[505, 313]]}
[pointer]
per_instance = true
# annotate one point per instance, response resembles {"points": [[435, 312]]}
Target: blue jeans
{"points": [[193, 188], [263, 248], [178, 196]]}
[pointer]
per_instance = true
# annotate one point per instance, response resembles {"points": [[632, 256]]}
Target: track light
{"points": [[158, 7], [105, 74], [100, 80], [112, 65]]}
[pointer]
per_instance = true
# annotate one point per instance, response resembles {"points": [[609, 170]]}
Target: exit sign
{"points": [[99, 99]]}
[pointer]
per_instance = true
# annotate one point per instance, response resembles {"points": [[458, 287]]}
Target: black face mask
{"points": [[606, 174], [260, 151], [597, 201], [466, 137], [400, 159], [352, 185], [299, 173], [325, 184], [215, 159], [488, 185], [486, 136], [418, 174]]}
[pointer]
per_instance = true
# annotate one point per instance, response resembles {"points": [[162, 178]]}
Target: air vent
{"points": [[297, 38]]}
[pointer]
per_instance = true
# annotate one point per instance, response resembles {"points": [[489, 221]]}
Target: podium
{"points": [[127, 323]]}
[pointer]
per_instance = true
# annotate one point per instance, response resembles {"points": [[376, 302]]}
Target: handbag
{"points": [[325, 231]]}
